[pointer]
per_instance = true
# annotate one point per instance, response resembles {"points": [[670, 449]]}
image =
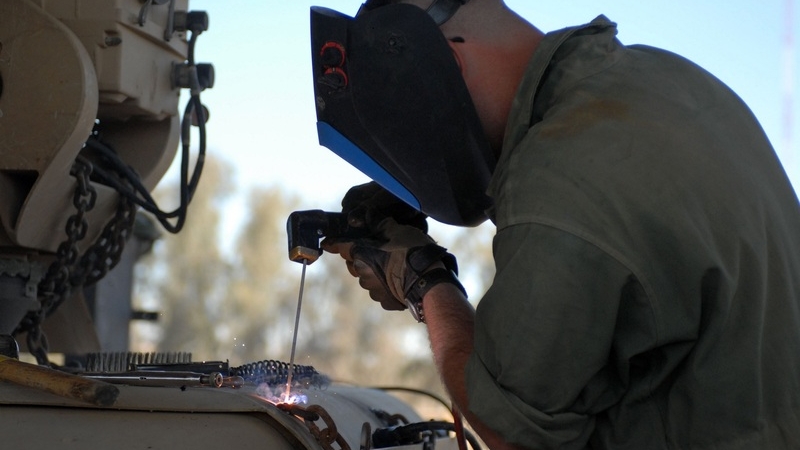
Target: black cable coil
{"points": [[276, 373]]}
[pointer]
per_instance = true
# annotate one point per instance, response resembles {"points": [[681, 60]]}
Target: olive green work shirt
{"points": [[647, 293]]}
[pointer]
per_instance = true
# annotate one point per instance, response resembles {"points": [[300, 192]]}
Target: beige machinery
{"points": [[89, 123]]}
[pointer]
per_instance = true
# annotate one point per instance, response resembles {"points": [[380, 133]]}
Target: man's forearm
{"points": [[450, 319]]}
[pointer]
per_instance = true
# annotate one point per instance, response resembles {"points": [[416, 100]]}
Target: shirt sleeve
{"points": [[546, 360]]}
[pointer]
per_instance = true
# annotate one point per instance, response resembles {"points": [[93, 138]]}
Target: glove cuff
{"points": [[425, 282]]}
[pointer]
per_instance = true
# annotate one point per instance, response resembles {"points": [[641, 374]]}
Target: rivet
{"points": [[113, 41]]}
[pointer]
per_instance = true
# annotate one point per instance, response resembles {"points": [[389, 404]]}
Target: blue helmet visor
{"points": [[391, 101]]}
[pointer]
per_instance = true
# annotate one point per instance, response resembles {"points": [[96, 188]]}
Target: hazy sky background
{"points": [[262, 110]]}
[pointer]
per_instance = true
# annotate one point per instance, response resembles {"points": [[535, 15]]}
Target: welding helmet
{"points": [[391, 101]]}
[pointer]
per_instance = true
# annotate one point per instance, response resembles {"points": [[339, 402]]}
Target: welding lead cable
{"points": [[294, 337], [458, 424], [410, 433]]}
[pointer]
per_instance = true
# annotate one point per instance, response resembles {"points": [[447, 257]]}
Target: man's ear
{"points": [[456, 48]]}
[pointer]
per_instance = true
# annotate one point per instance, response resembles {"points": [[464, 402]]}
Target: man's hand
{"points": [[367, 204], [367, 278], [390, 264]]}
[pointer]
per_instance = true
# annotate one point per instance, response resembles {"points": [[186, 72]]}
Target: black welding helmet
{"points": [[391, 101]]}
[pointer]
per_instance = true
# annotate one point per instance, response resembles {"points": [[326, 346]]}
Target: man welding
{"points": [[647, 291]]}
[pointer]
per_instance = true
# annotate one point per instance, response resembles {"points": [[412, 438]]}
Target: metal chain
{"points": [[327, 436], [55, 286], [67, 271], [106, 252]]}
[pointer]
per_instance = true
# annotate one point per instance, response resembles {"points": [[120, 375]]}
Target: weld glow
{"points": [[294, 399], [276, 394]]}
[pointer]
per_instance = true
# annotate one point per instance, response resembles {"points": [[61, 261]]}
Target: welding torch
{"points": [[305, 229]]}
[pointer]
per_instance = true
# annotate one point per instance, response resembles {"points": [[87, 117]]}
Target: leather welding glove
{"points": [[369, 203], [390, 264]]}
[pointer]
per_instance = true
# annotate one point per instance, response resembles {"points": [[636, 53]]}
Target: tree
{"points": [[262, 293], [186, 272]]}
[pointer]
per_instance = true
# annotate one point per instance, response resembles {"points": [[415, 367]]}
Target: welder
{"points": [[647, 247]]}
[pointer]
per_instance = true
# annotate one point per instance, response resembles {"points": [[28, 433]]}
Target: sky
{"points": [[262, 117]]}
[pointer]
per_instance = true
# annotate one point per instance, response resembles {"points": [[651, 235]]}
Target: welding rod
{"points": [[58, 383], [161, 379], [294, 333]]}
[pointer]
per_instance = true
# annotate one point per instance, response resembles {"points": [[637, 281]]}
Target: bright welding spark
{"points": [[290, 398], [287, 396], [276, 394], [295, 399]]}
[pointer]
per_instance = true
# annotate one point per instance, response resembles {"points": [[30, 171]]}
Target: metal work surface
{"points": [[198, 418]]}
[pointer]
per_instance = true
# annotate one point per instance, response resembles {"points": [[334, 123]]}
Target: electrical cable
{"points": [[410, 433], [136, 191], [415, 391], [459, 428], [462, 434]]}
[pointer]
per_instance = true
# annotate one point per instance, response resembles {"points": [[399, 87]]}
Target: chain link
{"points": [[107, 250], [69, 270], [327, 436]]}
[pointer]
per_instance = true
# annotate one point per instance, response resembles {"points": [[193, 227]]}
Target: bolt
{"points": [[334, 78], [395, 43], [205, 74], [195, 21], [332, 55]]}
